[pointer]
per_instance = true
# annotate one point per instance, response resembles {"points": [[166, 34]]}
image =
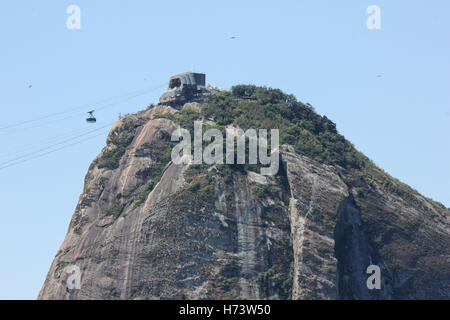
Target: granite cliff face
{"points": [[145, 228]]}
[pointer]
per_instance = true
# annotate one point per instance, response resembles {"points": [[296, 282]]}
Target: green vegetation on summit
{"points": [[311, 135]]}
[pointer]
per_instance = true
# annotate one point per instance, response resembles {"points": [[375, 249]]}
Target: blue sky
{"points": [[321, 51]]}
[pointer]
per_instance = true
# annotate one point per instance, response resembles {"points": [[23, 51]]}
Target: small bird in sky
{"points": [[29, 86], [233, 38], [379, 76]]}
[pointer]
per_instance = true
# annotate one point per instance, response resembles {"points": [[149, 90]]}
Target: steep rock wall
{"points": [[145, 228]]}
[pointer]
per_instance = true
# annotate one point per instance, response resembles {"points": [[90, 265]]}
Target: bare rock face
{"points": [[145, 228]]}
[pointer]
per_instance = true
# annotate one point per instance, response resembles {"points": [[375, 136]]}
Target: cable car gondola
{"points": [[91, 118]]}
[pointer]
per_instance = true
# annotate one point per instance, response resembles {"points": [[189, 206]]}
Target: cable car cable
{"points": [[133, 93], [72, 116], [49, 152], [51, 146]]}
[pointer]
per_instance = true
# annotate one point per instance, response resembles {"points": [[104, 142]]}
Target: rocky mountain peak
{"points": [[147, 228]]}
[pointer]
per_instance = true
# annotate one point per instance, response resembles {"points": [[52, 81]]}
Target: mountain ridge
{"points": [[145, 228]]}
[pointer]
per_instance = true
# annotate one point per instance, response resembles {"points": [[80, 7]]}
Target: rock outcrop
{"points": [[146, 228]]}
